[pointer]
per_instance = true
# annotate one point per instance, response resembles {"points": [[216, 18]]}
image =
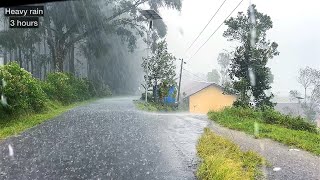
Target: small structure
{"points": [[203, 97], [170, 99]]}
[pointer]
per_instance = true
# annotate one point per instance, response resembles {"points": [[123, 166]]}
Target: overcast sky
{"points": [[296, 28]]}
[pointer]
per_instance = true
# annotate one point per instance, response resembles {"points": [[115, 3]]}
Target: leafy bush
{"points": [[151, 106], [99, 89], [67, 88], [271, 125], [271, 116], [149, 96], [21, 90], [58, 86]]}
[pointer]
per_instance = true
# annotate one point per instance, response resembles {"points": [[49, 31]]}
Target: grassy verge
{"points": [[154, 107], [253, 123], [222, 159], [15, 125]]}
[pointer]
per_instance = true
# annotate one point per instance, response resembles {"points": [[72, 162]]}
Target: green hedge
{"points": [[292, 131], [21, 91], [66, 88], [270, 116]]}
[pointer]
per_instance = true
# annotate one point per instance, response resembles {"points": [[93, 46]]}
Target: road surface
{"points": [[107, 139]]}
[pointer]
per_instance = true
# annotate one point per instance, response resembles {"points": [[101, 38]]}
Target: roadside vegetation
{"points": [[27, 101], [156, 107], [268, 123], [160, 81], [247, 75], [221, 159]]}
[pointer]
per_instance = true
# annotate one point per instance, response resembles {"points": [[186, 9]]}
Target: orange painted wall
{"points": [[210, 98]]}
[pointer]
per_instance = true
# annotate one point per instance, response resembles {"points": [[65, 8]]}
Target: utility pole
{"points": [[150, 15], [182, 62], [148, 32]]}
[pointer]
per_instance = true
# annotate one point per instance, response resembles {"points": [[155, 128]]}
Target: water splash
{"points": [[10, 150], [3, 100], [4, 83], [181, 31], [276, 169], [252, 76], [253, 28]]}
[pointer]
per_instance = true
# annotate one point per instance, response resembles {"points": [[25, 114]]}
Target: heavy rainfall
{"points": [[160, 89]]}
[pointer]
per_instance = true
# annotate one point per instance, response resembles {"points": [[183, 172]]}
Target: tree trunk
{"points": [[59, 60], [10, 55], [5, 58], [20, 57], [71, 61], [305, 94], [32, 63]]}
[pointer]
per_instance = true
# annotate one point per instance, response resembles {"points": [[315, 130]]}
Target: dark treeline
{"points": [[102, 40]]}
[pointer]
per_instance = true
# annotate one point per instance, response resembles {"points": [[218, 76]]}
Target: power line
{"points": [[216, 29], [206, 25], [194, 74]]}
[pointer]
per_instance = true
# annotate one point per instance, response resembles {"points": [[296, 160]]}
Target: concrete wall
{"points": [[210, 98]]}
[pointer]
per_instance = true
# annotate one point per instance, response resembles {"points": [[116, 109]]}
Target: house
{"points": [[290, 108], [203, 97]]}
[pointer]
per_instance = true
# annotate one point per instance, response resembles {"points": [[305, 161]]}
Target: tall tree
{"points": [[213, 76], [89, 17], [160, 67], [305, 78], [224, 62], [309, 79], [248, 70]]}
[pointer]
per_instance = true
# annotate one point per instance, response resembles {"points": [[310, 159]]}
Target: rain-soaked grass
{"points": [[15, 125], [298, 138], [155, 107], [222, 159]]}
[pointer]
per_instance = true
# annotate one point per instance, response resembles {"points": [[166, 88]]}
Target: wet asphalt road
{"points": [[107, 139]]}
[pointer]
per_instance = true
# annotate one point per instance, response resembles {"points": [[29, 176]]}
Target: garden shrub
{"points": [[58, 87], [21, 90], [99, 89], [271, 116], [67, 88]]}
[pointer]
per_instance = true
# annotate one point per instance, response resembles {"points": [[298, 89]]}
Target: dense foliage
{"points": [[309, 79], [66, 88], [96, 39], [22, 93], [19, 90], [268, 123], [270, 116], [155, 107], [248, 70], [161, 71]]}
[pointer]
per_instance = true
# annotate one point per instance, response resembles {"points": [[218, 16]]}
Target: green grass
{"points": [[11, 126], [223, 160], [154, 107], [244, 121]]}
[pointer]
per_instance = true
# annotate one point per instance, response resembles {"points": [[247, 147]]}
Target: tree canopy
{"points": [[248, 69]]}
